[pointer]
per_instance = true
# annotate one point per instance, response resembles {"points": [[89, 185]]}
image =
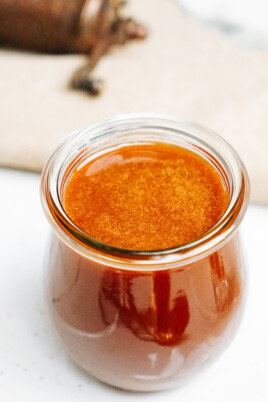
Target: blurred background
{"points": [[62, 68], [66, 65], [244, 21]]}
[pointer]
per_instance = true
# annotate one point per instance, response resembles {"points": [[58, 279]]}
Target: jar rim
{"points": [[75, 144]]}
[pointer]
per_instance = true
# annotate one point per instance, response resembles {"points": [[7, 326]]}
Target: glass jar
{"points": [[144, 320]]}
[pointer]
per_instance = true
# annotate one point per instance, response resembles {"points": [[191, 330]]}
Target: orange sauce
{"points": [[135, 328], [146, 197]]}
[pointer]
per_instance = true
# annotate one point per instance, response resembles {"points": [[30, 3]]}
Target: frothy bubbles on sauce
{"points": [[146, 197]]}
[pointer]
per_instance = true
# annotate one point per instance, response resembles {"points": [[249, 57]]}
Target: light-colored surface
{"points": [[184, 68], [244, 20], [33, 365]]}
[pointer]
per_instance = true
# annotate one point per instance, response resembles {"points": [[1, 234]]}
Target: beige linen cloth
{"points": [[184, 68]]}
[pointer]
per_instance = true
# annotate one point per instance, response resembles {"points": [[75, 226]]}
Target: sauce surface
{"points": [[146, 197]]}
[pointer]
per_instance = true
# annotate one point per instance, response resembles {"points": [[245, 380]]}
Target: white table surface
{"points": [[33, 365]]}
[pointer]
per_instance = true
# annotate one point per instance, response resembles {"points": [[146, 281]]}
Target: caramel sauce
{"points": [[136, 328], [146, 197]]}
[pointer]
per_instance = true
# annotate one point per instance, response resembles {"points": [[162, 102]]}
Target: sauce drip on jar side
{"points": [[146, 197]]}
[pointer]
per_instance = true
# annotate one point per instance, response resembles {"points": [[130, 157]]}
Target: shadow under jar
{"points": [[144, 320]]}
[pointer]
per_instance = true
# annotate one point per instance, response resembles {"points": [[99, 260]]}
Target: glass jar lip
{"points": [[118, 257]]}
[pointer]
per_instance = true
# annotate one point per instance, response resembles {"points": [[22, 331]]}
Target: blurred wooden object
{"points": [[75, 26]]}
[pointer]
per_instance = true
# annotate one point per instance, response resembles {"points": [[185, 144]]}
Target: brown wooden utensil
{"points": [[87, 27]]}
